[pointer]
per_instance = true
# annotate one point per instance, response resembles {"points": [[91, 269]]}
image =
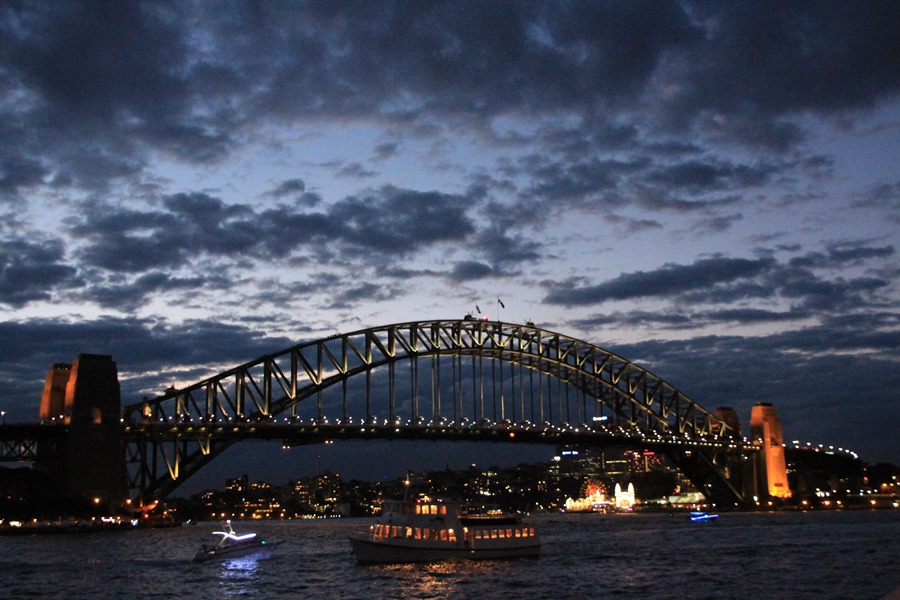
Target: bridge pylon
{"points": [[88, 462]]}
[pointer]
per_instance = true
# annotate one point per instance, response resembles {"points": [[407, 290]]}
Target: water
{"points": [[853, 554]]}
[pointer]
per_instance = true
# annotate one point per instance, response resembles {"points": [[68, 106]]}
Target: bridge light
{"points": [[512, 434]]}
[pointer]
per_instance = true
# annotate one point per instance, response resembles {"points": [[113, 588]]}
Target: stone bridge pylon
{"points": [[89, 461]]}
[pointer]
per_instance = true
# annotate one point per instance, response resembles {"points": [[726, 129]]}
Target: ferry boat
{"points": [[428, 531], [232, 545]]}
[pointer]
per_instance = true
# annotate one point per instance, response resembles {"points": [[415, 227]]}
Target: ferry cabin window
{"points": [[430, 509]]}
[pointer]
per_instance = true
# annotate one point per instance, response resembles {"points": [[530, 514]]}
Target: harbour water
{"points": [[839, 555]]}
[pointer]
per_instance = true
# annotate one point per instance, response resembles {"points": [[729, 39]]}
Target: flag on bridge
{"points": [[500, 302]]}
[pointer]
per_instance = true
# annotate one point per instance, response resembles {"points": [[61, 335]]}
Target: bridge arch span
{"points": [[465, 374]]}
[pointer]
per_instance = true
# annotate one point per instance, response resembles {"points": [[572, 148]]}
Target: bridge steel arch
{"points": [[391, 382]]}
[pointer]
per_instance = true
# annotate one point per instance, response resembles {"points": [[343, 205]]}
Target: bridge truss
{"points": [[457, 379], [26, 443]]}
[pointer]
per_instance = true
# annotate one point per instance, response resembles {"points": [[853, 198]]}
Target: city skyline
{"points": [[709, 191]]}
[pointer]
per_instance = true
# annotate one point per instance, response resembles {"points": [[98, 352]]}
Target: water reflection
{"points": [[240, 576], [439, 579]]}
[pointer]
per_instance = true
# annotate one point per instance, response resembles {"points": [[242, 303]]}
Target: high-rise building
{"points": [[238, 484], [765, 430]]}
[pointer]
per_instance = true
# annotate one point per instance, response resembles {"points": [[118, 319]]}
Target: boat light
{"points": [[234, 537]]}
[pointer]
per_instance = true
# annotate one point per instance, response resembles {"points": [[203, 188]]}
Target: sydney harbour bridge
{"points": [[460, 380]]}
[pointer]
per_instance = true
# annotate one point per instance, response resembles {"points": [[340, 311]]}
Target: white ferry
{"points": [[428, 531]]}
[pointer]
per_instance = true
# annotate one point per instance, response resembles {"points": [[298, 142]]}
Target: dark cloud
{"points": [[102, 84], [884, 197], [398, 221], [697, 176], [362, 293], [716, 224], [689, 320], [722, 280], [656, 199], [801, 56], [128, 240], [288, 187], [355, 170], [761, 62], [670, 280], [843, 254], [33, 270], [556, 181], [815, 293], [505, 250], [191, 226], [148, 353], [130, 294], [386, 150], [469, 270], [627, 225], [18, 172]]}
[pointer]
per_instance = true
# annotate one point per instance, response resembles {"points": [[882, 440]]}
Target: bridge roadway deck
{"points": [[15, 439], [314, 433]]}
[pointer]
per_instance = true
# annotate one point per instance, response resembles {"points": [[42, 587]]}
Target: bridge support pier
{"points": [[89, 462], [765, 428]]}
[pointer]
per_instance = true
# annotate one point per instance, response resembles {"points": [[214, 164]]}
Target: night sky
{"points": [[709, 189]]}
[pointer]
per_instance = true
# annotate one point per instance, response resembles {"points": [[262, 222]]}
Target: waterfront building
{"points": [[625, 498]]}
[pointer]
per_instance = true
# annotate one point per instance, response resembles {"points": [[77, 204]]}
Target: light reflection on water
{"points": [[238, 576], [773, 556]]}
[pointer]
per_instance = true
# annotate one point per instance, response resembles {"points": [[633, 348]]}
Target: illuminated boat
{"points": [[232, 545], [427, 531], [699, 516]]}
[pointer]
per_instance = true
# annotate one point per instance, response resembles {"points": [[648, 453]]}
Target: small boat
{"points": [[702, 515], [232, 545], [427, 531]]}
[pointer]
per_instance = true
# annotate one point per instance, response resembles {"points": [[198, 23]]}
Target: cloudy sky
{"points": [[711, 190]]}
